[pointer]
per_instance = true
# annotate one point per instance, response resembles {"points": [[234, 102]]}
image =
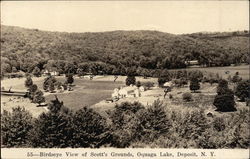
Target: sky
{"points": [[175, 17]]}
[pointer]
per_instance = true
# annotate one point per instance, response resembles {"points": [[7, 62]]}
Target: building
{"points": [[192, 63], [52, 73], [130, 91]]}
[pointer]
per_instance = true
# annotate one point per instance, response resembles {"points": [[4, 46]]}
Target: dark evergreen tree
{"points": [[222, 86], [125, 123], [243, 90], [51, 87], [224, 101], [54, 128], [90, 129], [70, 79], [36, 72], [38, 97], [15, 127], [130, 80], [154, 122], [32, 89], [28, 82], [194, 84]]}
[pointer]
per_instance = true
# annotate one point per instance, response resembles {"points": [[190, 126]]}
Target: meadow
{"points": [[86, 93], [224, 72]]}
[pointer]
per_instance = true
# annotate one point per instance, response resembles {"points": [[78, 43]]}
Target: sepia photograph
{"points": [[114, 77]]}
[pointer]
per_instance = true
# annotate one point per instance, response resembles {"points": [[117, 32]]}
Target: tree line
{"points": [[127, 125], [114, 52]]}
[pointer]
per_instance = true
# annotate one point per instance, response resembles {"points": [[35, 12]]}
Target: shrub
{"points": [[38, 97], [162, 80], [148, 85], [194, 84], [48, 81], [70, 79], [222, 86], [138, 84], [28, 82], [130, 80], [171, 96], [187, 97], [243, 90], [32, 89], [36, 72]]}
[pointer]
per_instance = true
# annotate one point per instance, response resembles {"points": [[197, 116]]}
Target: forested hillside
{"points": [[114, 52]]}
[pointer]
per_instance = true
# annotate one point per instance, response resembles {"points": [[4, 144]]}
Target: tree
{"points": [[130, 80], [125, 122], [80, 72], [36, 72], [154, 122], [225, 102], [90, 129], [236, 78], [47, 82], [32, 89], [164, 76], [222, 86], [53, 128], [194, 84], [138, 84], [38, 97], [70, 79], [28, 82], [243, 90], [14, 70], [51, 87], [15, 127]]}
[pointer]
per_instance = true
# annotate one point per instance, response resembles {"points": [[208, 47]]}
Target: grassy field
{"points": [[94, 92], [86, 93], [243, 70]]}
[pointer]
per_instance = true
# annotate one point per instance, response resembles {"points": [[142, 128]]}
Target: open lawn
{"points": [[86, 93], [231, 70]]}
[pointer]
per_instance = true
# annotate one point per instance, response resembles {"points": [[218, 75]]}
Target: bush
{"points": [[187, 97], [171, 96], [194, 84], [138, 84], [36, 72], [38, 97], [70, 79], [148, 85], [243, 90], [48, 82], [130, 80], [28, 82], [162, 80], [222, 86]]}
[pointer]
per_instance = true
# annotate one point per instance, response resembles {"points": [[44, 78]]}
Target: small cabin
{"points": [[52, 73], [192, 63]]}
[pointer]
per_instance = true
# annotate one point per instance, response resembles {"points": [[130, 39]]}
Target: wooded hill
{"points": [[25, 49]]}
